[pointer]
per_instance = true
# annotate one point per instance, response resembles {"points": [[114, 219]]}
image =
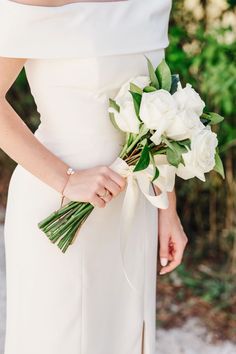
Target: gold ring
{"points": [[105, 194]]}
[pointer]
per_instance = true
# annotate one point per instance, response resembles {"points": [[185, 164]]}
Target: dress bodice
{"points": [[78, 55], [83, 29]]}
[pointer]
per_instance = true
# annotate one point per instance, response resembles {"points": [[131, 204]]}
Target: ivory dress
{"points": [[84, 301]]}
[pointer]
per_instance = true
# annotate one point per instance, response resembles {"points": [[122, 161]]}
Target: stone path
{"points": [[192, 338]]}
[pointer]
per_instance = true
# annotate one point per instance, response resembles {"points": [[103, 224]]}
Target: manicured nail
{"points": [[162, 272], [164, 261]]}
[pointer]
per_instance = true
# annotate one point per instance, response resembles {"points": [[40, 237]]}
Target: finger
{"points": [[97, 201], [172, 250], [177, 259], [164, 249], [101, 191], [108, 197], [117, 178], [112, 187], [104, 194]]}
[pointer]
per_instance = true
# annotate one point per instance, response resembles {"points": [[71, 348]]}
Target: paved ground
{"points": [[192, 338]]}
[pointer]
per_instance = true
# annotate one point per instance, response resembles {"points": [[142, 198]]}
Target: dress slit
{"points": [[143, 336]]}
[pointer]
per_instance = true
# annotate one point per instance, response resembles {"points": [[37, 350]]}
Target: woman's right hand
{"points": [[86, 185]]}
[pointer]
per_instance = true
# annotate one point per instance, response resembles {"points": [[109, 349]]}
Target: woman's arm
{"points": [[21, 145], [18, 141]]}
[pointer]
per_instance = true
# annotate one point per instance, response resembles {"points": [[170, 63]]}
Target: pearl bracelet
{"points": [[70, 171]]}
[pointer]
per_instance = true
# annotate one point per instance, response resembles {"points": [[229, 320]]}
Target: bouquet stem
{"points": [[62, 225]]}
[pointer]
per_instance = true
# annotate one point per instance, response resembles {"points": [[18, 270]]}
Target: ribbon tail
{"points": [[127, 220], [160, 201], [135, 183]]}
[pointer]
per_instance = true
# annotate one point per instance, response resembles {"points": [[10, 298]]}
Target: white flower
{"points": [[184, 126], [157, 111], [187, 121], [127, 119], [188, 99], [201, 158], [140, 81]]}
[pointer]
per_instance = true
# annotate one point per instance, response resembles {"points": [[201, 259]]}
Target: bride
{"points": [[76, 55]]}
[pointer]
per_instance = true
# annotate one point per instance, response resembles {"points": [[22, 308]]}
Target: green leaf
{"points": [[143, 130], [167, 142], [112, 118], [134, 88], [205, 116], [114, 105], [156, 170], [137, 101], [152, 74], [160, 151], [211, 118], [186, 142], [144, 160], [219, 167], [149, 89], [174, 153], [180, 148], [163, 74], [173, 157], [174, 83], [215, 118], [142, 143], [156, 174], [182, 160]]}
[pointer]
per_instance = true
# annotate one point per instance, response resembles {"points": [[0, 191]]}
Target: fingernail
{"points": [[164, 261], [162, 272]]}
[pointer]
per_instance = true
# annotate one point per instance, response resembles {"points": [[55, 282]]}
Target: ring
{"points": [[105, 194]]}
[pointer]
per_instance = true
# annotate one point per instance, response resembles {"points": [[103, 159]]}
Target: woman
{"points": [[77, 55]]}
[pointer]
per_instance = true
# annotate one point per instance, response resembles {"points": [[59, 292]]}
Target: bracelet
{"points": [[70, 171]]}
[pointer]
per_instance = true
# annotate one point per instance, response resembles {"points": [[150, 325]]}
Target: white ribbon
{"points": [[141, 181]]}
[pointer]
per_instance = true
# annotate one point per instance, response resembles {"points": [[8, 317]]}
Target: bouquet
{"points": [[167, 134]]}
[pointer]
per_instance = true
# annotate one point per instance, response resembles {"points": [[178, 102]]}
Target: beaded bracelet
{"points": [[70, 171]]}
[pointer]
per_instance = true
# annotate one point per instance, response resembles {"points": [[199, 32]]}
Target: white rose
{"points": [[188, 99], [157, 111], [140, 81], [201, 158], [184, 126], [127, 119]]}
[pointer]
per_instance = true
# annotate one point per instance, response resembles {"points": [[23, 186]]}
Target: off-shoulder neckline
{"points": [[72, 4]]}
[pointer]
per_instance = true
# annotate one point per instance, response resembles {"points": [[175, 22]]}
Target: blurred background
{"points": [[203, 51]]}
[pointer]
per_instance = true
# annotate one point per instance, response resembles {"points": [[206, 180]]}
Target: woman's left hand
{"points": [[172, 240]]}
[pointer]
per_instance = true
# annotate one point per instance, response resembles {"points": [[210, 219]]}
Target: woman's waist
{"points": [[83, 150]]}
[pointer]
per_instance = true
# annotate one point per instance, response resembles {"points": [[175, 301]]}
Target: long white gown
{"points": [[81, 302]]}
